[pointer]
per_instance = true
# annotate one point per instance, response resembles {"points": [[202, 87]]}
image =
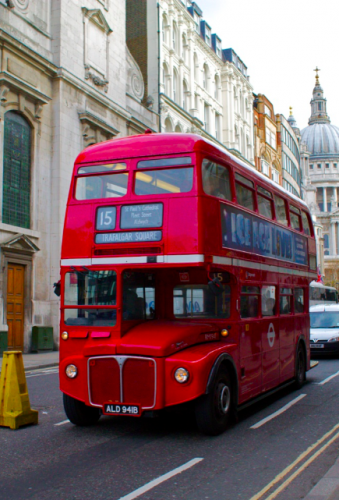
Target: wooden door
{"points": [[15, 306]]}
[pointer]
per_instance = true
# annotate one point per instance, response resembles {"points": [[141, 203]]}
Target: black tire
{"points": [[213, 411], [300, 368], [79, 413]]}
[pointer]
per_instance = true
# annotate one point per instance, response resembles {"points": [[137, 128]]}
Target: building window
{"points": [[166, 79], [17, 171], [218, 48], [311, 166], [265, 168], [184, 48], [319, 106], [175, 86], [205, 77], [175, 37], [217, 126], [275, 175], [267, 110], [206, 117], [319, 165], [270, 138], [216, 87], [327, 165], [334, 165], [208, 35], [184, 95], [326, 244], [196, 67]]}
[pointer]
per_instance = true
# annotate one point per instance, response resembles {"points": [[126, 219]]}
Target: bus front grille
{"points": [[122, 379]]}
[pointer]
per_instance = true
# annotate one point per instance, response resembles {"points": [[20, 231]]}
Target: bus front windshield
{"points": [[90, 289]]}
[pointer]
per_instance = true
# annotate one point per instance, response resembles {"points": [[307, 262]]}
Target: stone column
{"points": [[332, 240], [324, 200]]}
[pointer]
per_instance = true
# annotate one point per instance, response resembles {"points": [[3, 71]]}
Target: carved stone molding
{"points": [[96, 79], [21, 5], [3, 93], [94, 129], [135, 82], [96, 47]]}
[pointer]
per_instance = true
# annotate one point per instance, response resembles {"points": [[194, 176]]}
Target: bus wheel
{"points": [[78, 413], [213, 411], [300, 373]]}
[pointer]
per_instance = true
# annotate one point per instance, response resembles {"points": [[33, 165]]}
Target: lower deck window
{"points": [[286, 301], [198, 301], [89, 289], [138, 295], [249, 301]]}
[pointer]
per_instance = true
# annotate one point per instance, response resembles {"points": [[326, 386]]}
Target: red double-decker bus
{"points": [[184, 277]]}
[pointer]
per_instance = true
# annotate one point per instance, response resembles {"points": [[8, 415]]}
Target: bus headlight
{"points": [[334, 339], [64, 335], [181, 375], [71, 371]]}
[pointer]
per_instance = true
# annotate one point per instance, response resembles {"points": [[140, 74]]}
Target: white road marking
{"points": [[62, 423], [42, 373], [277, 413], [161, 479], [327, 379]]}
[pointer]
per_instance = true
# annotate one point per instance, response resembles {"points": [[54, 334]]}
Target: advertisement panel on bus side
{"points": [[243, 231]]}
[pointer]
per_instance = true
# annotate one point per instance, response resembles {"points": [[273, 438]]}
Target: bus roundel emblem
{"points": [[271, 335]]}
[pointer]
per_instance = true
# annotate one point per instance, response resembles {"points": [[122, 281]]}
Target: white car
{"points": [[324, 333]]}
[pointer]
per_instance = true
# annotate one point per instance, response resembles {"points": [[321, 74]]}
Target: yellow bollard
{"points": [[15, 408]]}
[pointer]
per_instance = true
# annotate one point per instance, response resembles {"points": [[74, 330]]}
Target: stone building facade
{"points": [[67, 80], [193, 83], [321, 140]]}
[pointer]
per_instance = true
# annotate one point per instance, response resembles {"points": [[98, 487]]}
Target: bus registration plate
{"points": [[121, 409], [317, 346]]}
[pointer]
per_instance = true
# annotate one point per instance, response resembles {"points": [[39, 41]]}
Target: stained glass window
{"points": [[17, 171]]}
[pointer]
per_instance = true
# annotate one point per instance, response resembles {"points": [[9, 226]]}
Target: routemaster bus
{"points": [[184, 278], [322, 294]]}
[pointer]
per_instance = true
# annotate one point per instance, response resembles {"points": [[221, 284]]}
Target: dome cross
{"points": [[316, 75]]}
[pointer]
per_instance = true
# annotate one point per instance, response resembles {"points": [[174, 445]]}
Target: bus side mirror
{"points": [[215, 286], [57, 287]]}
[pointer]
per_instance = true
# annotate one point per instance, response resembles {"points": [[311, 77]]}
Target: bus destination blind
{"points": [[141, 216], [128, 237]]}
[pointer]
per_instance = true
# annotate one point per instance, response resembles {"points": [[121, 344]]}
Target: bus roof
{"points": [[317, 284], [149, 144]]}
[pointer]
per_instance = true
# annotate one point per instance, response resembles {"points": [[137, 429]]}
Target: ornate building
{"points": [[67, 80], [322, 180], [267, 146], [193, 83]]}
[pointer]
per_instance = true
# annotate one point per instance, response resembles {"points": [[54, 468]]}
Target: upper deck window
{"points": [[92, 169], [216, 180], [101, 186], [165, 181], [264, 203], [295, 217], [244, 191], [165, 162], [306, 224], [280, 210]]}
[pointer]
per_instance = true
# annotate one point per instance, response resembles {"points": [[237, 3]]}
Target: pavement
{"points": [[33, 361], [326, 489]]}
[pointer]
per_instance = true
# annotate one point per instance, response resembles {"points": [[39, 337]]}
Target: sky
{"points": [[281, 43]]}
